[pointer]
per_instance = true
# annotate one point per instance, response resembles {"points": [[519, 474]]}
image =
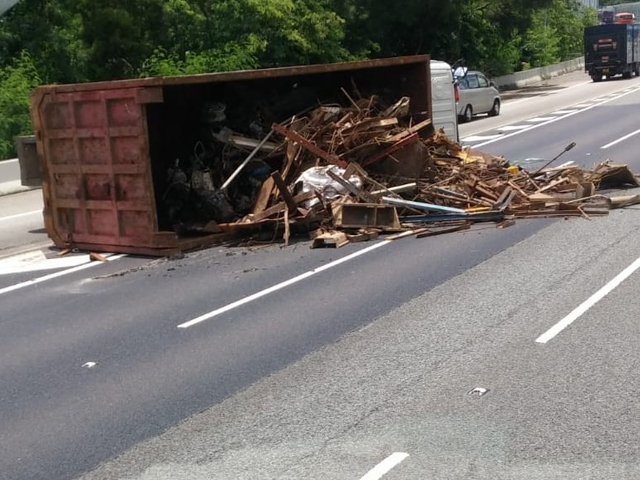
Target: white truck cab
{"points": [[444, 99]]}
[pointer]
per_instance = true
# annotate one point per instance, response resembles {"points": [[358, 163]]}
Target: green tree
{"points": [[49, 32], [17, 81], [541, 42]]}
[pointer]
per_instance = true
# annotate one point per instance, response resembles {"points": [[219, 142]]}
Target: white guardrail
{"points": [[534, 75]]}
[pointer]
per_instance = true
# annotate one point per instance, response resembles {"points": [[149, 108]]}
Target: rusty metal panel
{"points": [[97, 178]]}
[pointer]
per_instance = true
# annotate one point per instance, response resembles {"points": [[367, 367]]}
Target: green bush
{"points": [[17, 81]]}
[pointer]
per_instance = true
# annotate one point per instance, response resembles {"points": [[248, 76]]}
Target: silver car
{"points": [[477, 95]]}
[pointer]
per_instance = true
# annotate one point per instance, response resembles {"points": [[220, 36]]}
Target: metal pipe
{"points": [[246, 161]]}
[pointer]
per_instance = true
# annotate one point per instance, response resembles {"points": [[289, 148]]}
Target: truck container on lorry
{"points": [[612, 50]]}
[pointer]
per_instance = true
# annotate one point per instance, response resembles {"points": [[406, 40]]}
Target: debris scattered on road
{"points": [[478, 392], [89, 365], [96, 257], [342, 174]]}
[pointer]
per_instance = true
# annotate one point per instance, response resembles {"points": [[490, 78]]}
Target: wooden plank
{"points": [[403, 142], [284, 191], [266, 191], [624, 201], [408, 233], [280, 207], [410, 131], [370, 123], [558, 213], [442, 231], [506, 224], [313, 148], [363, 236], [328, 239], [553, 184]]}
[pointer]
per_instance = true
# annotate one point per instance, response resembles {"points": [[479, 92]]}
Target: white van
{"points": [[444, 99]]}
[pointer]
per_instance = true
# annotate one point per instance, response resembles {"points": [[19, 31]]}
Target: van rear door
{"points": [[443, 99]]}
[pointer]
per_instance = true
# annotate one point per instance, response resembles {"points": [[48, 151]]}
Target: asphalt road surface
{"points": [[486, 354]]}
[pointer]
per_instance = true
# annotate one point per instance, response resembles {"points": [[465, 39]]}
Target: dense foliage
{"points": [[47, 41]]}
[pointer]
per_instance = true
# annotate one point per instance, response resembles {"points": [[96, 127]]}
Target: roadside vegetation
{"points": [[62, 41]]}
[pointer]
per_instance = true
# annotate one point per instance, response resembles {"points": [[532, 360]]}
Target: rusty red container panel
{"points": [[97, 184], [104, 146]]}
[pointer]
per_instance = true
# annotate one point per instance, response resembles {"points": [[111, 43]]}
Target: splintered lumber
{"points": [[506, 224], [433, 233], [624, 201], [388, 151], [328, 239], [266, 191], [363, 235], [404, 165], [505, 199], [408, 233], [309, 145], [284, 191], [280, 207], [96, 257], [410, 131]]}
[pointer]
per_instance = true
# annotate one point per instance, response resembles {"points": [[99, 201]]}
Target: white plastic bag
{"points": [[317, 179]]}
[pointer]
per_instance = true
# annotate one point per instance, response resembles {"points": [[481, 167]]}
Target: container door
{"points": [[94, 151]]}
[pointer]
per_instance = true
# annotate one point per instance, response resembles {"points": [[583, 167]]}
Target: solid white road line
{"points": [[538, 125], [18, 215], [385, 466], [280, 286], [587, 304], [621, 139], [563, 112], [51, 276]]}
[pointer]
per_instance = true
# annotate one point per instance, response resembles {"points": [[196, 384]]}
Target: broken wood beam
{"points": [[280, 207], [410, 131], [442, 231], [284, 191], [312, 147], [388, 151]]}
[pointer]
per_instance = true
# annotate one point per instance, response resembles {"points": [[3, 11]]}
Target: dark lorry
{"points": [[612, 50]]}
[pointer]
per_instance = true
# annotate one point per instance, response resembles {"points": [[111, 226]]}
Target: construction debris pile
{"points": [[349, 173]]}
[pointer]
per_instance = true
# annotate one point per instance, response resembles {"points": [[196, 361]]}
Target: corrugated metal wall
{"points": [[591, 3]]}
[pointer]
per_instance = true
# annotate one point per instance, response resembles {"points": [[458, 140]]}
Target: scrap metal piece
{"points": [[478, 392], [422, 206]]}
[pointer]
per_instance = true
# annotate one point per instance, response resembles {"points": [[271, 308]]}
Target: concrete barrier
{"points": [[9, 170], [534, 75], [10, 182]]}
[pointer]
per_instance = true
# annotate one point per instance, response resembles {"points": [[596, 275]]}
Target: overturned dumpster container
{"points": [[113, 154]]}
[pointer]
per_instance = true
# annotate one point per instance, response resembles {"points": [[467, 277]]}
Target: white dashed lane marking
{"points": [[511, 130]]}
